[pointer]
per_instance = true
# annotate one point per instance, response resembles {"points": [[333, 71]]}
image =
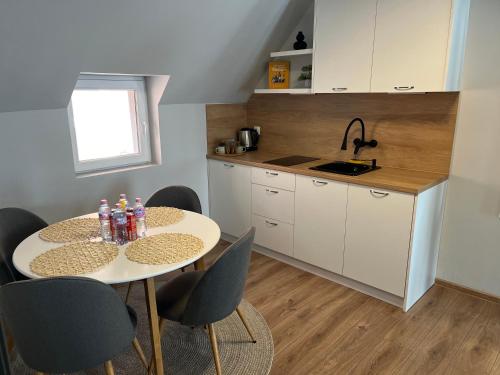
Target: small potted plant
{"points": [[305, 77]]}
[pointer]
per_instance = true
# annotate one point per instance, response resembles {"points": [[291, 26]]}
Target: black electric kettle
{"points": [[248, 138]]}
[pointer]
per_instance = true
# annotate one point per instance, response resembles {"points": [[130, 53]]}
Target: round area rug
{"points": [[187, 350]]}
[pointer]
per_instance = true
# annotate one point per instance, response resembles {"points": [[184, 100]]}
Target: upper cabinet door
{"points": [[343, 45], [410, 50]]}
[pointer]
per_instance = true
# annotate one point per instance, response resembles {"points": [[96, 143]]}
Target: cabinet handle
{"points": [[229, 165], [272, 191], [271, 223], [339, 88], [378, 194], [272, 173], [320, 183], [404, 88]]}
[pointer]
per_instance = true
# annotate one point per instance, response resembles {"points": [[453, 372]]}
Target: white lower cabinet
{"points": [[273, 234], [320, 214], [230, 196], [383, 239], [377, 241]]}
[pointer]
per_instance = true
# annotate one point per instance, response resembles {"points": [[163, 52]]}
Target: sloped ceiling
{"points": [[213, 50]]}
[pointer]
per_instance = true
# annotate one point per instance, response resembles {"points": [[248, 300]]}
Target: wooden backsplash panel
{"points": [[414, 131], [223, 122]]}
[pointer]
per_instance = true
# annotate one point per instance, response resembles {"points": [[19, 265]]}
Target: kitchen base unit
{"points": [[381, 242]]}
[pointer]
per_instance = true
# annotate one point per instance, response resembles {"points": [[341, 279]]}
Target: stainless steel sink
{"points": [[346, 168]]}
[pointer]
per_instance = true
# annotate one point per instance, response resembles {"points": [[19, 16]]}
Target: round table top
{"points": [[121, 269]]}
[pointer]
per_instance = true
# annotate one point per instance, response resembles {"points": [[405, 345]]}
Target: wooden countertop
{"points": [[402, 180]]}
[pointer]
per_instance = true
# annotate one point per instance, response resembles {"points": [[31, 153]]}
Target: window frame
{"points": [[115, 82]]}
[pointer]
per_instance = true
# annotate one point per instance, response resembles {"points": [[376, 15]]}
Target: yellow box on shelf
{"points": [[279, 75]]}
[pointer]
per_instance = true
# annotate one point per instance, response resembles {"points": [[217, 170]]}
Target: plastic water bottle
{"points": [[131, 225], [104, 219], [140, 218], [123, 202], [120, 224]]}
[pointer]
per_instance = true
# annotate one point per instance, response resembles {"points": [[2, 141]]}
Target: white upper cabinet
{"points": [[343, 45], [389, 45], [410, 50]]}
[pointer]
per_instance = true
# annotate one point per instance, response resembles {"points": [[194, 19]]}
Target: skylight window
{"points": [[109, 122]]}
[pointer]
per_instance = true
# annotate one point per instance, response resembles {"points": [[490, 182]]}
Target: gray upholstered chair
{"points": [[201, 298], [4, 357], [180, 197], [15, 225], [68, 324]]}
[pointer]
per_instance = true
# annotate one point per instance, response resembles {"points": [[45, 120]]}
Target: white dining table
{"points": [[122, 270]]}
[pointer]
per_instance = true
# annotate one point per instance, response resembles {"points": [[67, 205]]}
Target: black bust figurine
{"points": [[300, 44]]}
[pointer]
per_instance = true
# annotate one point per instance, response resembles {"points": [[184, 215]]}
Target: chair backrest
{"points": [[15, 225], [180, 197], [220, 290], [66, 324]]}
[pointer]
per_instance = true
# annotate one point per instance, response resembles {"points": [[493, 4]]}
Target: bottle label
{"points": [[139, 212], [131, 227], [103, 216]]}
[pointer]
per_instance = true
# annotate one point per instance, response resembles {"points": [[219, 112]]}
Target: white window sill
{"points": [[116, 170]]}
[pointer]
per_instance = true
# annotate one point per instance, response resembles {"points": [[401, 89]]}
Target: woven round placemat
{"points": [[74, 259], [165, 248], [163, 216], [71, 230]]}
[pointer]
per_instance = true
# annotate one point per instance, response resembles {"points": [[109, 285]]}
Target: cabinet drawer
{"points": [[272, 202], [277, 179], [273, 234]]}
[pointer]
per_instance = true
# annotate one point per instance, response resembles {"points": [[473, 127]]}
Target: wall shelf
{"points": [[308, 51], [283, 91]]}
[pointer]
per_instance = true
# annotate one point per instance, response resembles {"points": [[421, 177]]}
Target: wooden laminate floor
{"points": [[320, 327]]}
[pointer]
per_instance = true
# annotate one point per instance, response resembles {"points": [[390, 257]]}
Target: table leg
{"points": [[199, 265], [149, 288]]}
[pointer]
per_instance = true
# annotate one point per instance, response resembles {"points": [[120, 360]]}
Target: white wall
{"points": [[470, 245], [212, 49], [36, 163]]}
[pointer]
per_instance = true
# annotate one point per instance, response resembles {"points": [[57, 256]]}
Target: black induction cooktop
{"points": [[288, 161]]}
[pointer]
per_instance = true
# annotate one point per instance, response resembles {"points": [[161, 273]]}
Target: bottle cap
{"points": [[117, 205], [138, 200], [123, 196], [104, 201]]}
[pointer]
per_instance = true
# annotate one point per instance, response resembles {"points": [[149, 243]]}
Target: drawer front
{"points": [[277, 179], [273, 234], [274, 203]]}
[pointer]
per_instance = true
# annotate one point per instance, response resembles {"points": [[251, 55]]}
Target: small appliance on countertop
{"points": [[248, 138]]}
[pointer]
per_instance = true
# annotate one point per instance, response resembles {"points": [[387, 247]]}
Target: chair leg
{"points": [[108, 366], [240, 314], [140, 352], [215, 349], [39, 373], [152, 362], [129, 289]]}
